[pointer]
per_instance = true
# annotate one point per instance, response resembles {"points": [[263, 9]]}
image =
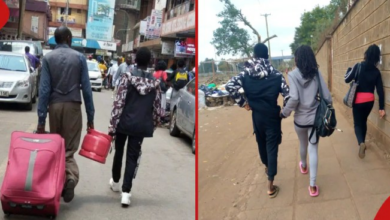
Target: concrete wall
{"points": [[368, 22], [42, 24]]}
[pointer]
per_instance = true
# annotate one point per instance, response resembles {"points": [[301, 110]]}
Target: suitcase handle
{"points": [[35, 131]]}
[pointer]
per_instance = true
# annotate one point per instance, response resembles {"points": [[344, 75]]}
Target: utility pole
{"points": [[22, 7], [67, 13], [269, 44]]}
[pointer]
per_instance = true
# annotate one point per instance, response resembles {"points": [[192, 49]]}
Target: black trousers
{"points": [[360, 115], [268, 136], [133, 157]]}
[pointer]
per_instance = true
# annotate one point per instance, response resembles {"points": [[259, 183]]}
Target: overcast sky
{"points": [[284, 18]]}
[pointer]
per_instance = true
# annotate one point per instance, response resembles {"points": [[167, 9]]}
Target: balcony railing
{"points": [[181, 9], [130, 4]]}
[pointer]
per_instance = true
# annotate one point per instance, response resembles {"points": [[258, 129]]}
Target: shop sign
{"points": [[168, 48]]}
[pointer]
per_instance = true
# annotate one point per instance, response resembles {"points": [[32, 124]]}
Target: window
{"points": [[63, 11], [14, 63], [191, 87], [93, 67]]}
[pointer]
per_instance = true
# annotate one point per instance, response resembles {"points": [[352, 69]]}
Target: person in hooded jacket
{"points": [[135, 115], [303, 100], [262, 84]]}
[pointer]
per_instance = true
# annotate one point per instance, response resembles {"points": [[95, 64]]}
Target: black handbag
{"points": [[351, 94], [325, 120]]}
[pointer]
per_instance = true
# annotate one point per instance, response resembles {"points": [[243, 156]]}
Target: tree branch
{"points": [[246, 22], [273, 36]]}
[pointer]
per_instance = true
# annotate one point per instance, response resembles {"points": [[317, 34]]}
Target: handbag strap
{"points": [[358, 73]]}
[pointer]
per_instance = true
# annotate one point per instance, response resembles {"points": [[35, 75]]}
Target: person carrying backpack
{"points": [[306, 83], [161, 75], [178, 80]]}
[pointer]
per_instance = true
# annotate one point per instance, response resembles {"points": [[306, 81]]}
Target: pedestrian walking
{"points": [[112, 71], [34, 61], [304, 86], [161, 75], [262, 84], [135, 116], [63, 71], [178, 80], [368, 77], [122, 69]]}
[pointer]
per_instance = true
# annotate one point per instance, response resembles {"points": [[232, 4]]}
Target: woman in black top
{"points": [[368, 79]]}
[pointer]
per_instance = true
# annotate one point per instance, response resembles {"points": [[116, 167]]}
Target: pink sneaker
{"points": [[300, 167], [316, 193]]}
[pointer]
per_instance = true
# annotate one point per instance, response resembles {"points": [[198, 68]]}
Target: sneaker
{"points": [[125, 199], [362, 150], [68, 192], [114, 186]]}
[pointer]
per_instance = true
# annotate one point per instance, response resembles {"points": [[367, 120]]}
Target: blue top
{"points": [[45, 89]]}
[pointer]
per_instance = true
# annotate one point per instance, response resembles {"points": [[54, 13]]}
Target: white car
{"points": [[18, 80], [95, 76]]}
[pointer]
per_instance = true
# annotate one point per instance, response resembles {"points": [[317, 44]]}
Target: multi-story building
{"points": [[167, 28], [127, 13], [36, 17]]}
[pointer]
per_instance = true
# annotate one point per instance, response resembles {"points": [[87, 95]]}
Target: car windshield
{"points": [[92, 66], [16, 47], [12, 63]]}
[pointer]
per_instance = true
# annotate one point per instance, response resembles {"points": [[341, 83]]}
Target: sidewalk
{"points": [[233, 183]]}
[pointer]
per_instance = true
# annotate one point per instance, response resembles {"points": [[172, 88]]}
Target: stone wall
{"points": [[368, 22]]}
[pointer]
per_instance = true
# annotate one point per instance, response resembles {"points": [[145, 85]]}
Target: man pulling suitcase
{"points": [[63, 71]]}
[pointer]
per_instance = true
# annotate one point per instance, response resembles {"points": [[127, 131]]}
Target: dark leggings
{"points": [[132, 159], [360, 115]]}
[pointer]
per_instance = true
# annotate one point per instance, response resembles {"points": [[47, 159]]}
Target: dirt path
{"points": [[233, 183]]}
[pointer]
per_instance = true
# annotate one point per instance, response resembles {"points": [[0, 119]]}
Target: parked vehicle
{"points": [[183, 113], [18, 80], [95, 76], [17, 46]]}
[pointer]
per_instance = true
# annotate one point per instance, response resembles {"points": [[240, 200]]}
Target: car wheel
{"points": [[193, 143], [173, 129], [34, 99], [29, 106], [99, 90]]}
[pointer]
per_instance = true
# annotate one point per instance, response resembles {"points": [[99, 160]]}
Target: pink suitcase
{"points": [[35, 175]]}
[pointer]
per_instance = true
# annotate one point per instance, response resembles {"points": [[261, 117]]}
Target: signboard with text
{"points": [[185, 47], [153, 29], [100, 19]]}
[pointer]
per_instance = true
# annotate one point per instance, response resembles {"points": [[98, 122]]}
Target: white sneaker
{"points": [[125, 199], [114, 186]]}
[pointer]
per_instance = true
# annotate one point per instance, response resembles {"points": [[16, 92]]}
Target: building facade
{"points": [[36, 18], [167, 28]]}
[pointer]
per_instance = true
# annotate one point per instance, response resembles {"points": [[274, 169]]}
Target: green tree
{"points": [[231, 39], [318, 23]]}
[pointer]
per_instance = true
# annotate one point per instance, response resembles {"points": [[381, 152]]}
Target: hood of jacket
{"points": [[302, 81], [259, 68], [142, 81]]}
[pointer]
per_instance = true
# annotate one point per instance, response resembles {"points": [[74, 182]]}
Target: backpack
{"points": [[181, 79], [163, 86], [325, 120]]}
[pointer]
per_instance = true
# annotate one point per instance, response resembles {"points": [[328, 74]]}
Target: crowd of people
{"points": [[262, 84]]}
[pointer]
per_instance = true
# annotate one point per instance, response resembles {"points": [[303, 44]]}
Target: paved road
{"points": [[165, 184]]}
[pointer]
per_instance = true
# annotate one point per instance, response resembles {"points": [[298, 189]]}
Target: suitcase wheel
{"points": [[7, 215]]}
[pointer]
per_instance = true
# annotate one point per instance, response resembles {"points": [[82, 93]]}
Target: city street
{"points": [[165, 183]]}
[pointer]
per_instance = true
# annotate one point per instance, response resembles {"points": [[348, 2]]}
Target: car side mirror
{"points": [[31, 70]]}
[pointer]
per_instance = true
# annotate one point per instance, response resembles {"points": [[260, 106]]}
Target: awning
{"points": [[94, 44]]}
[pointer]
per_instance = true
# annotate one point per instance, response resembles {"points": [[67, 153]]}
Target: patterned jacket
{"points": [[143, 86], [257, 68]]}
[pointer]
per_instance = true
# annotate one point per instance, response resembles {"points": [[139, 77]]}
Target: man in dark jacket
{"points": [[135, 115], [262, 85], [63, 70]]}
